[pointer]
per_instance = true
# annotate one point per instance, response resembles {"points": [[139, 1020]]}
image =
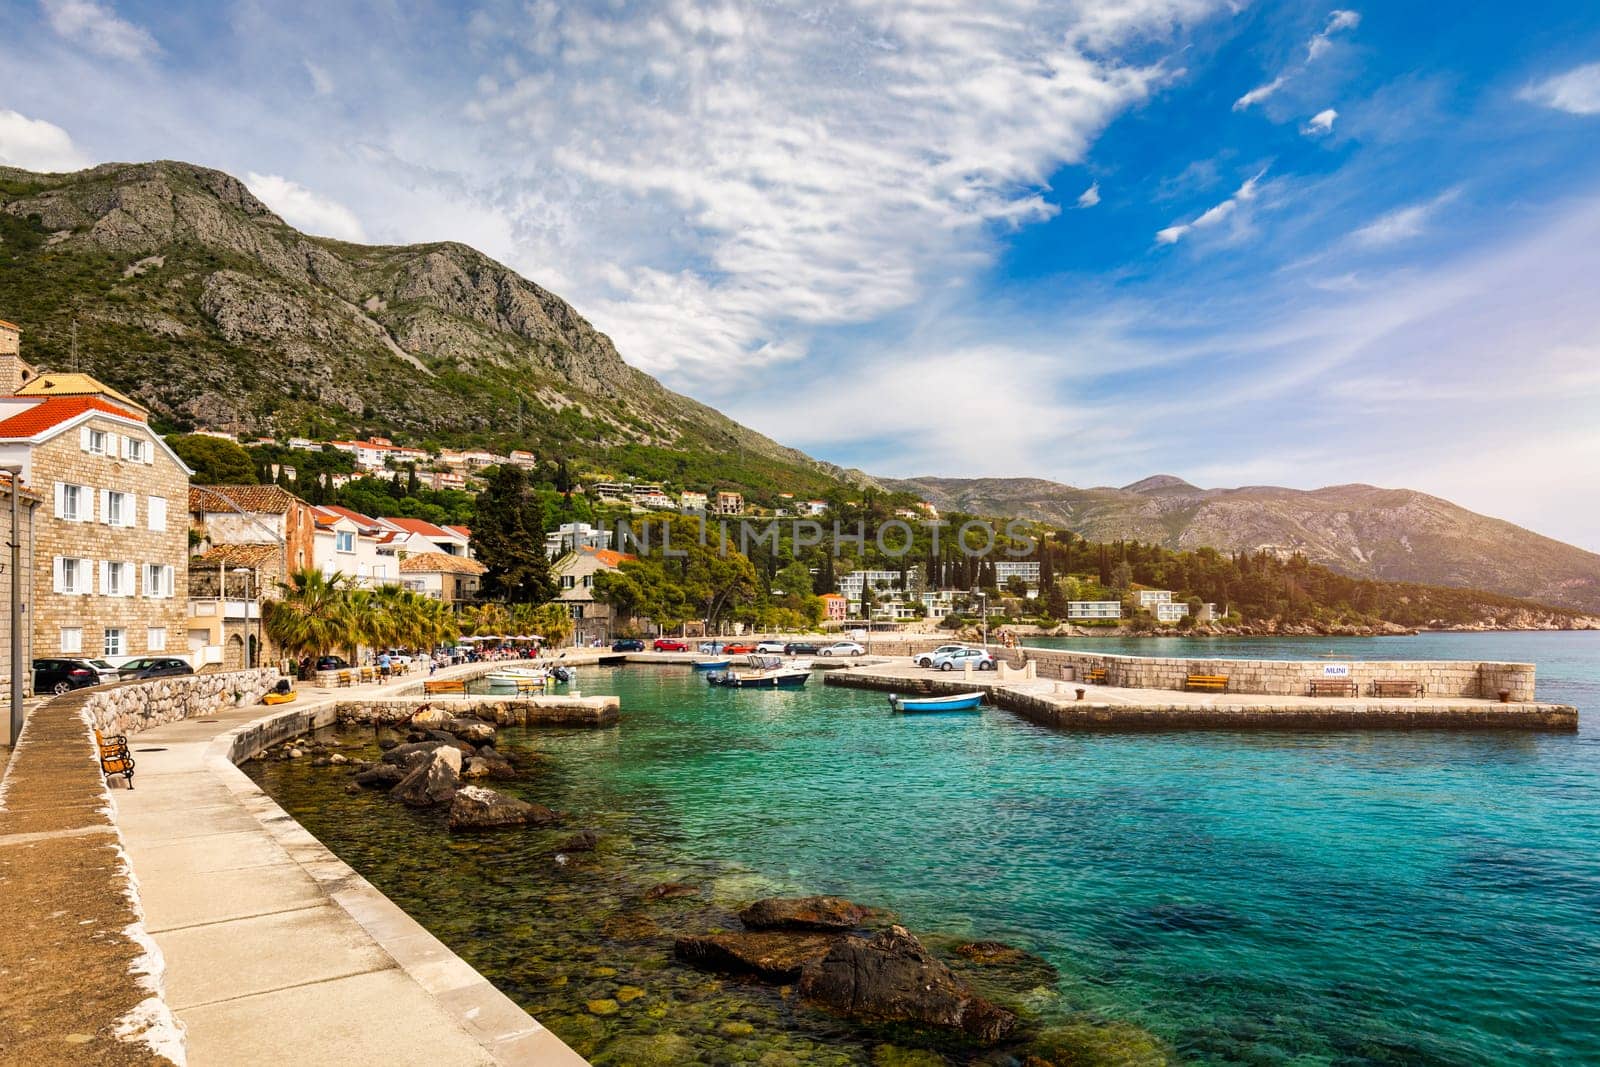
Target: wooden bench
{"points": [[529, 687], [1333, 687], [345, 677], [1096, 676], [1396, 687], [450, 685], [368, 674], [114, 756], [1215, 682]]}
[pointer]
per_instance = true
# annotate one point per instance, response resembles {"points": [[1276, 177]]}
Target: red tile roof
{"points": [[440, 563], [418, 526], [608, 556], [51, 413], [263, 499], [345, 513]]}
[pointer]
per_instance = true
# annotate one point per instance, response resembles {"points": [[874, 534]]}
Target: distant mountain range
{"points": [[1360, 530], [173, 283]]}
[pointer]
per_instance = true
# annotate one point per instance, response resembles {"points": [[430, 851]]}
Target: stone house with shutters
{"points": [[110, 538]]}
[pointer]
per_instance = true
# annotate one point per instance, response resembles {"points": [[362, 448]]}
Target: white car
{"points": [[925, 659], [966, 657], [774, 648], [842, 648]]}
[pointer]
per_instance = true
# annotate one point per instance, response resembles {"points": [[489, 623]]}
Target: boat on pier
{"points": [[954, 702]]}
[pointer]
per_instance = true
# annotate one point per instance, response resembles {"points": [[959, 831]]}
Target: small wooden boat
{"points": [[956, 702], [519, 676], [276, 697], [712, 664]]}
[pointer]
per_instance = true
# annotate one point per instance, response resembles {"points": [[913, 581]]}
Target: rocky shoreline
{"points": [[904, 999]]}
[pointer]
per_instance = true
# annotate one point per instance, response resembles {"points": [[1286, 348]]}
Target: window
{"points": [[71, 639], [344, 541], [569, 581], [158, 579], [114, 642], [116, 578], [116, 509], [72, 575], [74, 503], [156, 639], [136, 450], [96, 441], [156, 512]]}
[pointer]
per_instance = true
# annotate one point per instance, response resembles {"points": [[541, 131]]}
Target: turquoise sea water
{"points": [[1305, 898]]}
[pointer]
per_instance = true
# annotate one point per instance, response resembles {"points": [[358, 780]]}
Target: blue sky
{"points": [[1244, 243]]}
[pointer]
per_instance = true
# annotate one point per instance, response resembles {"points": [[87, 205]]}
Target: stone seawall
{"points": [[1439, 678], [135, 706], [554, 710]]}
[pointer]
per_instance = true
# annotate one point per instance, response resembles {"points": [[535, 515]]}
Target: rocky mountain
{"points": [[1360, 530], [187, 292]]}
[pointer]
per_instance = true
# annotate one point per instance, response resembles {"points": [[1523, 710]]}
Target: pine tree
{"points": [[508, 535]]}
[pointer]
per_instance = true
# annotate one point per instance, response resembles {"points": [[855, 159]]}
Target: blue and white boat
{"points": [[764, 672], [955, 702], [713, 664]]}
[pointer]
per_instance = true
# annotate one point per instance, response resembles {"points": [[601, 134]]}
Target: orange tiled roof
{"points": [[417, 526], [265, 499], [345, 513], [71, 383], [608, 556], [238, 556], [440, 562], [51, 413]]}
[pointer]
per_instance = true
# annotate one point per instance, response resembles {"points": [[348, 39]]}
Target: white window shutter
{"points": [[102, 569], [122, 446], [169, 580], [85, 504], [61, 500], [130, 511], [83, 438], [105, 505], [60, 580], [149, 453]]}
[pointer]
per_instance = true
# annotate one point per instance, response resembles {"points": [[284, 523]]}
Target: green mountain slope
{"points": [[1359, 530], [192, 296]]}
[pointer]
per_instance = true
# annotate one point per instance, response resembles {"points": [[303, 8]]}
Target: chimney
{"points": [[14, 373]]}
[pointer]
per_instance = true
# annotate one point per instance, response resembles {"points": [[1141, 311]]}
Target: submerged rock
{"points": [[774, 955], [431, 717], [432, 781], [891, 977], [1091, 1045], [471, 730], [410, 753], [476, 808], [582, 841], [804, 913], [671, 891]]}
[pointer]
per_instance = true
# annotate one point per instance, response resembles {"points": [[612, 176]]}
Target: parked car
{"points": [[109, 672], [977, 658], [738, 649], [801, 648], [842, 648], [710, 648], [669, 644], [63, 675], [628, 644], [155, 667], [332, 663], [775, 648], [925, 659]]}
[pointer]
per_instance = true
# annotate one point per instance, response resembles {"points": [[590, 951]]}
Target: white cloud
{"points": [[758, 173], [1401, 224], [1214, 215], [100, 29], [34, 144], [321, 81], [1339, 20], [1577, 91], [1090, 196], [1320, 123], [304, 209], [1260, 93]]}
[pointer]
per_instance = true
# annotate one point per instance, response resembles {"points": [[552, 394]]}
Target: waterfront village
{"points": [[131, 559]]}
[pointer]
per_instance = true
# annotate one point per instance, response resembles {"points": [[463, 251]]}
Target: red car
{"points": [[669, 644], [738, 650]]}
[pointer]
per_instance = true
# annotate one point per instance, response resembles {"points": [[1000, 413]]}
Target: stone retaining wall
{"points": [[135, 706], [519, 711], [1440, 678]]}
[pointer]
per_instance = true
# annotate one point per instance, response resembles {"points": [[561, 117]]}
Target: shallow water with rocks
{"points": [[1211, 897]]}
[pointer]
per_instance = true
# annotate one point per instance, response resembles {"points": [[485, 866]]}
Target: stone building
{"points": [[14, 373], [27, 503], [453, 579], [111, 544], [574, 574]]}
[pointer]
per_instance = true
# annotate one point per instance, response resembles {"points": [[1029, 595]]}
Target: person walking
{"points": [[384, 664]]}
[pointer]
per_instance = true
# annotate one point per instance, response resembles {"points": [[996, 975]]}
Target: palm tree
{"points": [[311, 613]]}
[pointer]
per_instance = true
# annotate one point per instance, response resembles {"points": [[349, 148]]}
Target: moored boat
{"points": [[955, 702], [713, 664], [763, 672]]}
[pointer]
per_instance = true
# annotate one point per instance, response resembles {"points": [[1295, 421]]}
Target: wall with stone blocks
{"points": [[1440, 678], [127, 709]]}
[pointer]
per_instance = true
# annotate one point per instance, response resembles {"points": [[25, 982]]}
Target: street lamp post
{"points": [[983, 613]]}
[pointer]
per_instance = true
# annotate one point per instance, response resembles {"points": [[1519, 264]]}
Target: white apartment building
{"points": [[571, 536], [1170, 611], [1149, 598], [1007, 569], [1094, 609]]}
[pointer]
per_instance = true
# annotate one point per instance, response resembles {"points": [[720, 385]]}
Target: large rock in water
{"points": [[804, 913], [892, 978], [473, 731], [773, 955], [433, 781], [477, 808], [380, 774], [409, 754]]}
